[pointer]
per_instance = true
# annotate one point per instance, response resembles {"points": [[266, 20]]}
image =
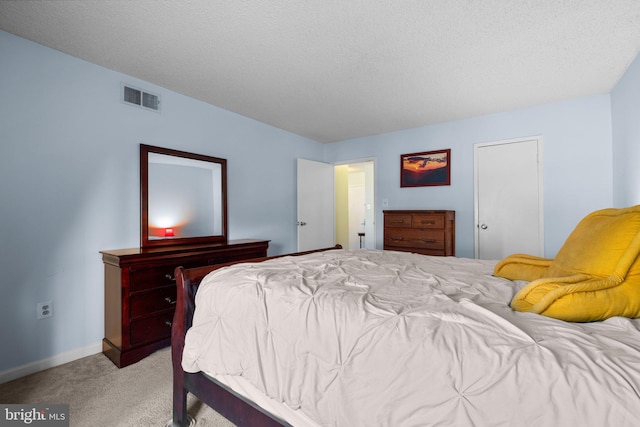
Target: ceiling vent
{"points": [[138, 97]]}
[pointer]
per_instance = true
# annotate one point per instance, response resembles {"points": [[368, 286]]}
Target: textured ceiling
{"points": [[337, 69]]}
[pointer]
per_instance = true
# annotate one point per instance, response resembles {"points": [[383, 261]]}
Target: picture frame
{"points": [[425, 169]]}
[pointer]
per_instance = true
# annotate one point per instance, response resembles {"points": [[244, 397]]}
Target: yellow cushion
{"points": [[596, 274], [522, 267]]}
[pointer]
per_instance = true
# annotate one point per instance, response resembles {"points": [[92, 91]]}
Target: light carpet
{"points": [[100, 394]]}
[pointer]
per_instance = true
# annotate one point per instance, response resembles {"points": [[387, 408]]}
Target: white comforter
{"points": [[378, 338]]}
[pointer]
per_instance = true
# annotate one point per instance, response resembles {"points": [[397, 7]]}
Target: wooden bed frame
{"points": [[219, 397]]}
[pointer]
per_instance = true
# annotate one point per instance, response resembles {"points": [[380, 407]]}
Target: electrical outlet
{"points": [[45, 309]]}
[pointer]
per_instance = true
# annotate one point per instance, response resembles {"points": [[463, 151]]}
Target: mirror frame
{"points": [[145, 242]]}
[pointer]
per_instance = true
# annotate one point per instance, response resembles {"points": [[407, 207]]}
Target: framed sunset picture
{"points": [[429, 168]]}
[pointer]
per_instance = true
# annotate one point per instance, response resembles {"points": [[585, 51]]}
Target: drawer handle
{"points": [[429, 240], [168, 323], [397, 221], [397, 239], [170, 301], [170, 277], [430, 222]]}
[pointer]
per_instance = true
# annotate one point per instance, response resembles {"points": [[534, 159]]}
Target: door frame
{"points": [[476, 171]]}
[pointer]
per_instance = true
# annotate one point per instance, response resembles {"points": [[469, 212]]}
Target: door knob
{"points": [[302, 223], [484, 226]]}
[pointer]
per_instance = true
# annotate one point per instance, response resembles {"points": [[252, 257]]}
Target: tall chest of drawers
{"points": [[140, 292], [428, 232]]}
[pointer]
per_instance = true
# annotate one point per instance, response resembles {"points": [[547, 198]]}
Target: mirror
{"points": [[183, 198]]}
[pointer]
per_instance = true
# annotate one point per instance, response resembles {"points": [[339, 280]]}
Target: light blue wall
{"points": [[69, 187], [625, 105], [577, 164]]}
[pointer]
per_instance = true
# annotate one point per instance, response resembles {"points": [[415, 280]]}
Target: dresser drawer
{"points": [[412, 238], [428, 221], [397, 221], [152, 328], [148, 302], [164, 275], [151, 278]]}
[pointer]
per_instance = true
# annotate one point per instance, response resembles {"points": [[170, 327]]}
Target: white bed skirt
{"points": [[278, 409]]}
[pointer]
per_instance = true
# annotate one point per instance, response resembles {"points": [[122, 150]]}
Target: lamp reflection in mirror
{"points": [[176, 201]]}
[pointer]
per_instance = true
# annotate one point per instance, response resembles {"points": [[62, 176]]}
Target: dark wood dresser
{"points": [[425, 232], [140, 292]]}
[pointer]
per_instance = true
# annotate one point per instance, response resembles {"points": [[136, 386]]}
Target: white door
{"points": [[508, 198], [315, 205]]}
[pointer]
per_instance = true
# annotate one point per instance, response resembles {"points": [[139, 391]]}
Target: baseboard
{"points": [[41, 365]]}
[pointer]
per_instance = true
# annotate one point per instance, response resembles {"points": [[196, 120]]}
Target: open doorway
{"points": [[354, 205]]}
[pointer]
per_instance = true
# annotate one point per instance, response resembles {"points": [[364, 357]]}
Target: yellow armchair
{"points": [[596, 274]]}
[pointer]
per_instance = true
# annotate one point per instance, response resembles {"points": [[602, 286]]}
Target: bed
{"points": [[383, 338]]}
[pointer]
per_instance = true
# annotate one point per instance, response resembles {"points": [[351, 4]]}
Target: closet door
{"points": [[508, 198]]}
